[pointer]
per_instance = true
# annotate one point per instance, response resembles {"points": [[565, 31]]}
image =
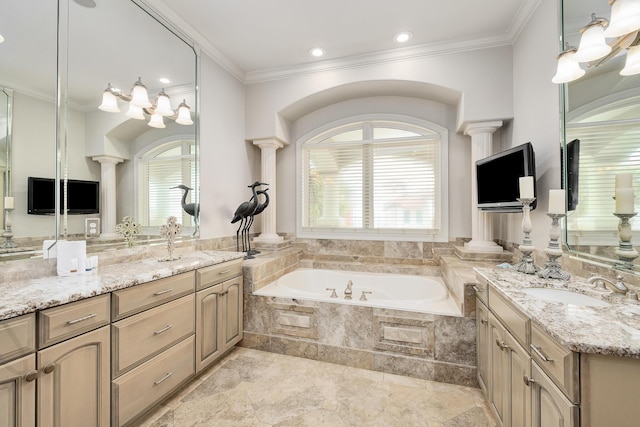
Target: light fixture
{"points": [[402, 37], [1, 38], [317, 52], [632, 62], [592, 43], [625, 17], [140, 106], [568, 68]]}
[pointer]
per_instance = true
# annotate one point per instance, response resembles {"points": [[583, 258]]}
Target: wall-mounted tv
{"points": [[498, 182], [572, 151], [83, 197]]}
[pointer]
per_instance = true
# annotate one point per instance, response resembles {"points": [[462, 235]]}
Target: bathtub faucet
{"points": [[348, 292]]}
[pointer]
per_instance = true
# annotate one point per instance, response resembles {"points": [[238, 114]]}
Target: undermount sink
{"points": [[564, 296]]}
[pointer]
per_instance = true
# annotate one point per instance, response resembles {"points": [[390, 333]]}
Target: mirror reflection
{"points": [[131, 166], [602, 130]]}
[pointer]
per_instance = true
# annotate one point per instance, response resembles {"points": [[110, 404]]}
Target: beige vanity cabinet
{"points": [[18, 372], [218, 311], [482, 340], [550, 407]]}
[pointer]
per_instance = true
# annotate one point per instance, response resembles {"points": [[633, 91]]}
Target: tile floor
{"points": [[256, 388]]}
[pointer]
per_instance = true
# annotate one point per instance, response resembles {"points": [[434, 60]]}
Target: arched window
{"points": [[158, 170], [379, 176]]}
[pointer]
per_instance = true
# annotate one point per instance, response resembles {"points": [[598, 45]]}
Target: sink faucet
{"points": [[348, 292], [603, 282]]}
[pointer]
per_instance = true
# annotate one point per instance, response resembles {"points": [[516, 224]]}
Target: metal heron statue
{"points": [[192, 209], [243, 212], [261, 207]]}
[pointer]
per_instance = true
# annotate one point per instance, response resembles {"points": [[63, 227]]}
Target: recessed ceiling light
{"points": [[402, 37], [164, 80], [317, 52]]}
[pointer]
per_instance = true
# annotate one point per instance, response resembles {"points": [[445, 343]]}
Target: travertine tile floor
{"points": [[255, 388]]}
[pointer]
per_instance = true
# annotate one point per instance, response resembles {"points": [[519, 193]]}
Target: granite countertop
{"points": [[22, 297], [611, 330]]}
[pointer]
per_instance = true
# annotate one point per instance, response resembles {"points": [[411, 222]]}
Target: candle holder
{"points": [[526, 264], [626, 252], [8, 234], [552, 269]]}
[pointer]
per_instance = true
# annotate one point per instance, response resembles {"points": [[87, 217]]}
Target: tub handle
{"points": [[363, 297], [333, 292]]}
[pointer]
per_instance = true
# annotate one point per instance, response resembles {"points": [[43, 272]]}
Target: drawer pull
{"points": [[166, 291], [537, 350], [163, 378], [483, 321], [501, 344], [528, 381], [31, 376], [49, 368], [82, 319], [475, 288], [224, 272], [165, 329]]}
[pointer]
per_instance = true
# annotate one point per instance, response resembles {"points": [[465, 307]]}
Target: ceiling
{"points": [[258, 39]]}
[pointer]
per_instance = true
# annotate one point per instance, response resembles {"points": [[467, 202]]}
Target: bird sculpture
{"points": [[259, 209], [192, 209], [243, 212]]}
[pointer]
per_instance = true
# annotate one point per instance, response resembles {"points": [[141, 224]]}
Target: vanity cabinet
{"points": [[482, 340], [550, 407]]}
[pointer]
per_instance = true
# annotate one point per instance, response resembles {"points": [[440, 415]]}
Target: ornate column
{"points": [[268, 149], [108, 193], [481, 224]]}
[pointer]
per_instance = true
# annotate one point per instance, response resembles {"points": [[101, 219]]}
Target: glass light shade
{"points": [[632, 62], [139, 95], [135, 112], [592, 44], [156, 121], [625, 18], [109, 102], [163, 106], [184, 114], [568, 68]]}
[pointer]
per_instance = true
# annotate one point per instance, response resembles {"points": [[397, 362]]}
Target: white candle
{"points": [[623, 180], [624, 200], [556, 202], [526, 187], [8, 202]]}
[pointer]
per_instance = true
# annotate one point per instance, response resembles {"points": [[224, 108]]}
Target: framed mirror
{"points": [[601, 125]]}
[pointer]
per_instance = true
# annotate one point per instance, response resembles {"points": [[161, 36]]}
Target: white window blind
{"points": [[378, 177]]}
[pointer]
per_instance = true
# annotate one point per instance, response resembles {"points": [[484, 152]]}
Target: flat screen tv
{"points": [[572, 151], [83, 197], [498, 182]]}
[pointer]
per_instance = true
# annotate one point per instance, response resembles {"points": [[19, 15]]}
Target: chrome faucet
{"points": [[348, 292], [602, 283]]}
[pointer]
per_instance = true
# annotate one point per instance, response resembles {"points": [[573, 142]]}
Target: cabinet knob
{"points": [[49, 368], [501, 344], [528, 381], [483, 321], [31, 376]]}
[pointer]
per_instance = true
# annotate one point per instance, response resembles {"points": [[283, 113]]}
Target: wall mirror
{"points": [[601, 110], [104, 43]]}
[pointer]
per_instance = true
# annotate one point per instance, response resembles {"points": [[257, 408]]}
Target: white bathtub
{"points": [[393, 291]]}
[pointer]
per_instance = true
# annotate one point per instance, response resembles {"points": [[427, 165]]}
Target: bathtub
{"points": [[392, 291]]}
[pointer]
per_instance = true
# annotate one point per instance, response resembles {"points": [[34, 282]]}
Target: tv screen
{"points": [[83, 197], [498, 178], [572, 164]]}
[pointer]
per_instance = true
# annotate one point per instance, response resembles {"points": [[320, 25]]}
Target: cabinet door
{"points": [[519, 393], [232, 303], [18, 392], [482, 337], [498, 369], [74, 386], [208, 321], [549, 407]]}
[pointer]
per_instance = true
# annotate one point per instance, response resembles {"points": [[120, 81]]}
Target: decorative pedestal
{"points": [[526, 264], [552, 269], [8, 234], [626, 252]]}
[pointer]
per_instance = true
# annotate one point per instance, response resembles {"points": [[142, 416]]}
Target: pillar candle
{"points": [[8, 202], [556, 202], [624, 201], [526, 187], [623, 180]]}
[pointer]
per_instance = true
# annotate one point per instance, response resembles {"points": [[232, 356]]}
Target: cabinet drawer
{"points": [[139, 337], [139, 298], [60, 323], [209, 276], [516, 322], [559, 363], [18, 337], [150, 382], [482, 289]]}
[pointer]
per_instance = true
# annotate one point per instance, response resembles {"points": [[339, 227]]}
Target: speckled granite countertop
{"points": [[611, 330], [22, 297]]}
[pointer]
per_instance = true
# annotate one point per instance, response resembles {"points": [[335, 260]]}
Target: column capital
{"points": [[482, 127], [105, 159], [269, 143]]}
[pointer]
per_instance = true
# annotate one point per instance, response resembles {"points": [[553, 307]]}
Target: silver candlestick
{"points": [[8, 234], [626, 252], [552, 269], [526, 264]]}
